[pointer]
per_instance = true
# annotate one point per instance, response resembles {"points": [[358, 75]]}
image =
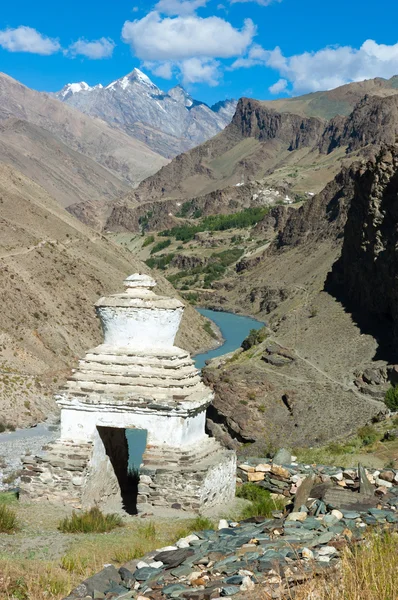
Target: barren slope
{"points": [[52, 269], [127, 158], [70, 177]]}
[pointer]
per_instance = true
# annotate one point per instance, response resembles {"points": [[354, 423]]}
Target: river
{"points": [[234, 329]]}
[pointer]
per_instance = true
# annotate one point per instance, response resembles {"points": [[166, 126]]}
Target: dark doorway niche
{"points": [[118, 448]]}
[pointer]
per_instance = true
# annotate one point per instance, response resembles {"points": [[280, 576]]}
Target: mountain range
{"points": [[282, 143], [168, 122]]}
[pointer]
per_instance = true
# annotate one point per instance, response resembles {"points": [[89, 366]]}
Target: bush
{"points": [[160, 262], [92, 521], [243, 219], [160, 246], [368, 435], [148, 241], [391, 398], [8, 519], [262, 503], [256, 336]]}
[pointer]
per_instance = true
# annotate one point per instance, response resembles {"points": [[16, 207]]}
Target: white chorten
{"points": [[136, 380]]}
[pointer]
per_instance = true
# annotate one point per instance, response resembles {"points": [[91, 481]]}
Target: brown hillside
{"points": [[52, 269], [126, 157]]}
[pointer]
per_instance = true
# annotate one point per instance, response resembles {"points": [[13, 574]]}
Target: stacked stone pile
{"points": [[333, 485], [326, 509]]}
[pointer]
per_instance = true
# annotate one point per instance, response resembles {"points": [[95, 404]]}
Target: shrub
{"points": [[209, 330], [391, 398], [256, 336], [243, 219], [8, 519], [262, 504], [160, 246], [148, 241], [92, 521], [368, 435]]}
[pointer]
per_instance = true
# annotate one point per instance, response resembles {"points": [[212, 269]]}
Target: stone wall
{"points": [[59, 476]]}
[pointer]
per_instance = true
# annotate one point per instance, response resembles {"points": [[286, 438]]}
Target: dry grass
{"points": [[369, 572], [37, 578]]}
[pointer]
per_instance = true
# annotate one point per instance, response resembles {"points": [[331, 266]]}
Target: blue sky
{"points": [[216, 48]]}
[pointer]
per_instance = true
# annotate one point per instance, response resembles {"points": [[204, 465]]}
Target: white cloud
{"points": [[97, 49], [179, 7], [27, 39], [279, 86], [164, 70], [186, 44], [327, 68], [196, 70], [180, 38]]}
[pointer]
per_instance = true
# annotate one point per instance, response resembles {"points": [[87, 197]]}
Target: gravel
{"points": [[16, 444]]}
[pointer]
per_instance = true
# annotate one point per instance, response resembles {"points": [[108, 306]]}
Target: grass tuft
{"points": [[92, 521], [8, 519], [262, 503]]}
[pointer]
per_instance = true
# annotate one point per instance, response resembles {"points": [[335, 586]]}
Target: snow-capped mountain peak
{"points": [[169, 122], [135, 77], [73, 88], [180, 95]]}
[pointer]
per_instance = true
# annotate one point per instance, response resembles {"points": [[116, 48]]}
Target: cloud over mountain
{"points": [[327, 68], [189, 44]]}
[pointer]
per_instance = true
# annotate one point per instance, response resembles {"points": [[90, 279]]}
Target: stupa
{"points": [[136, 382]]}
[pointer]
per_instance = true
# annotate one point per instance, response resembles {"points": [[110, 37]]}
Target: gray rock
{"points": [[283, 457]]}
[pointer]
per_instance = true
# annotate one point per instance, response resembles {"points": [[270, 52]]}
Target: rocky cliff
{"points": [[326, 286], [364, 277], [300, 153]]}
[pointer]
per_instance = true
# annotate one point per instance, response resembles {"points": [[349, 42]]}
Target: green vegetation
{"points": [[148, 241], [213, 270], [208, 329], [160, 262], [391, 398], [187, 210], [262, 504], [256, 336], [92, 521], [367, 440], [160, 246], [8, 519], [191, 297], [243, 219], [144, 221]]}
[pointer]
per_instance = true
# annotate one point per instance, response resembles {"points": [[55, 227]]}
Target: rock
{"points": [[253, 477], [174, 558], [382, 483], [365, 486], [307, 554], [282, 457], [223, 524], [247, 584], [280, 471], [186, 541], [264, 468], [387, 476], [303, 492], [246, 468], [337, 513], [297, 516]]}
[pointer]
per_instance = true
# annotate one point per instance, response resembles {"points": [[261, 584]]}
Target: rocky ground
{"points": [[326, 509], [17, 444]]}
